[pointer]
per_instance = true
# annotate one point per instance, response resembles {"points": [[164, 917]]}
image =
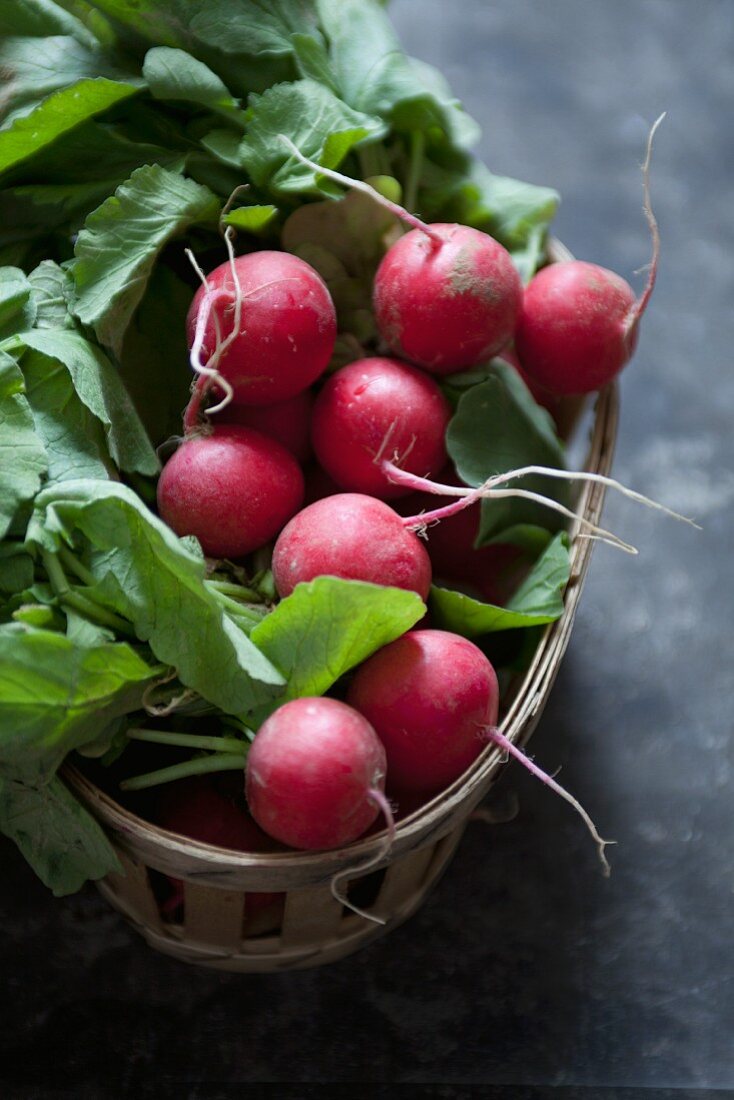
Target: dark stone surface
{"points": [[526, 968]]}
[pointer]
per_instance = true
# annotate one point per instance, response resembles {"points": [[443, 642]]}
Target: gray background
{"points": [[526, 968]]}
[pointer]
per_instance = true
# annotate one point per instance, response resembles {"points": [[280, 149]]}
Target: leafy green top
{"points": [[125, 128]]}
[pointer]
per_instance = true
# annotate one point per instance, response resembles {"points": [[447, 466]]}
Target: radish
{"points": [[578, 327], [351, 536], [288, 422], [233, 489], [377, 407], [447, 300], [579, 322], [429, 695], [316, 774], [432, 698], [265, 323]]}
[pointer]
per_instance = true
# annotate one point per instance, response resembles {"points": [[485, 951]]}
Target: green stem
{"points": [[56, 574], [189, 741], [415, 167], [218, 762], [91, 610], [73, 564], [237, 591], [242, 611], [369, 160]]}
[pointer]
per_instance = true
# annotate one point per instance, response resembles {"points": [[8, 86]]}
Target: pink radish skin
{"points": [[448, 300], [287, 329], [310, 773], [429, 696], [578, 327], [288, 422], [233, 489], [354, 537], [377, 407]]}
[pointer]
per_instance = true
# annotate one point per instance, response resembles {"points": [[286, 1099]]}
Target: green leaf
{"points": [[56, 695], [321, 126], [175, 74], [40, 18], [51, 291], [121, 240], [16, 568], [312, 60], [251, 219], [99, 388], [62, 842], [147, 575], [17, 309], [327, 626], [35, 71], [249, 27], [344, 241], [499, 427], [57, 114], [72, 436], [23, 460], [538, 600], [157, 334], [374, 75]]}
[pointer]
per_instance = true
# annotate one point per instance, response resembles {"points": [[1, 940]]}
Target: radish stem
{"points": [[189, 741], [202, 765]]}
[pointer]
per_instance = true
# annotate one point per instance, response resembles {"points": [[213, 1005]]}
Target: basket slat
{"points": [[213, 916], [312, 916], [135, 892]]}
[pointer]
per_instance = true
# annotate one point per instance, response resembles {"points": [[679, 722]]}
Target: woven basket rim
{"points": [[438, 816]]}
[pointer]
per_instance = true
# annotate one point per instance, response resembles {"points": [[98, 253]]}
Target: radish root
{"points": [[376, 796], [641, 304], [490, 490], [502, 742], [207, 373]]}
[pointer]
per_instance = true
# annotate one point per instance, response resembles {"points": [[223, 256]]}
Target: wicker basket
{"points": [[308, 927]]}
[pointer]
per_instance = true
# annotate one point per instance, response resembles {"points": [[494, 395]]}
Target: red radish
{"points": [[377, 407], [288, 422], [234, 489], [579, 322], [448, 300], [198, 808], [287, 325], [315, 774], [429, 695], [354, 537], [578, 327]]}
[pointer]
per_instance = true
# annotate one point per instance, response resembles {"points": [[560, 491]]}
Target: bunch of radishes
{"points": [[262, 330]]}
